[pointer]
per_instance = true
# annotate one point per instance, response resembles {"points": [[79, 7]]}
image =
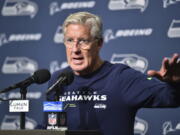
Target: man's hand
{"points": [[170, 70]]}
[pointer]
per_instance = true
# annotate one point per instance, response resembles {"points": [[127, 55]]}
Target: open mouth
{"points": [[78, 60]]}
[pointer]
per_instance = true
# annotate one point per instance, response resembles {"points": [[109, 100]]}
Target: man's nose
{"points": [[76, 47]]}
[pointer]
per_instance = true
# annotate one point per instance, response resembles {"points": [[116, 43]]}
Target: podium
{"points": [[48, 132]]}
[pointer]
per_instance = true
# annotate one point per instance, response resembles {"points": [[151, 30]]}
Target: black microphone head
{"points": [[68, 77], [41, 76]]}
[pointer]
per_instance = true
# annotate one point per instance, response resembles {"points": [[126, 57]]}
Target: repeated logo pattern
{"points": [[136, 33]]}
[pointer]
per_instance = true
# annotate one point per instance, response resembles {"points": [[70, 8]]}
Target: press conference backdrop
{"points": [[138, 33]]}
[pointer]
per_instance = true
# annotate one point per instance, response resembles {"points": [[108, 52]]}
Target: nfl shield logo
{"points": [[52, 119]]}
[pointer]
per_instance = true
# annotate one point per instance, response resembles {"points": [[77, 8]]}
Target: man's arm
{"points": [[170, 73]]}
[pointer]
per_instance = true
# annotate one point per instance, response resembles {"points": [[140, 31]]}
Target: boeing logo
{"points": [[31, 95], [12, 95], [128, 4], [110, 35], [54, 7], [4, 39]]}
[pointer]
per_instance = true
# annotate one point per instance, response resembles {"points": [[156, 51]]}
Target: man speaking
{"points": [[105, 96]]}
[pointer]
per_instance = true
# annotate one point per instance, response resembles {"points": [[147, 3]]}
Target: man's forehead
{"points": [[76, 30]]}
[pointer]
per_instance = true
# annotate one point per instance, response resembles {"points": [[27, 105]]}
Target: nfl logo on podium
{"points": [[52, 119]]}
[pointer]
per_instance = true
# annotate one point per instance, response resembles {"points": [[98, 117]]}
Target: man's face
{"points": [[81, 59]]}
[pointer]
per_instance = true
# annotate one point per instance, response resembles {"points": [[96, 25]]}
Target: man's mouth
{"points": [[78, 60]]}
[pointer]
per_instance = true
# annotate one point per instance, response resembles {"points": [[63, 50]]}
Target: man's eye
{"points": [[69, 40], [82, 41]]}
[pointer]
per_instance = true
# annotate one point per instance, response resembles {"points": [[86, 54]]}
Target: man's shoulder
{"points": [[118, 66], [124, 71]]}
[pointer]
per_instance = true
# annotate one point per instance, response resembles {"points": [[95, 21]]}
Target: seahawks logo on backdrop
{"points": [[140, 126], [167, 3], [12, 122], [128, 4], [19, 8], [134, 61], [17, 65], [174, 29]]}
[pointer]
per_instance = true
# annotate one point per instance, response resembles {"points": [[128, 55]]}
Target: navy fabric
{"points": [[108, 99]]}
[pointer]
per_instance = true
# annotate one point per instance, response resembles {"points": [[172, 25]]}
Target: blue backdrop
{"points": [[138, 33]]}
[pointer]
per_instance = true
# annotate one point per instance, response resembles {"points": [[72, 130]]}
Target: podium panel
{"points": [[31, 132], [84, 132], [48, 132]]}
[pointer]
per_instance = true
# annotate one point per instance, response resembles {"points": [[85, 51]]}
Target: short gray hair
{"points": [[86, 18]]}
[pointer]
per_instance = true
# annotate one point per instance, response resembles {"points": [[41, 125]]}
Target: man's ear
{"points": [[100, 42]]}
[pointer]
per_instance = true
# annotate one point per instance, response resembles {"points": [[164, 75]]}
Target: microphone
{"points": [[39, 77], [65, 78]]}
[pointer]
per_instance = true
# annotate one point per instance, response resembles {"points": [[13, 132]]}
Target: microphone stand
{"points": [[23, 91], [57, 94], [61, 116]]}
